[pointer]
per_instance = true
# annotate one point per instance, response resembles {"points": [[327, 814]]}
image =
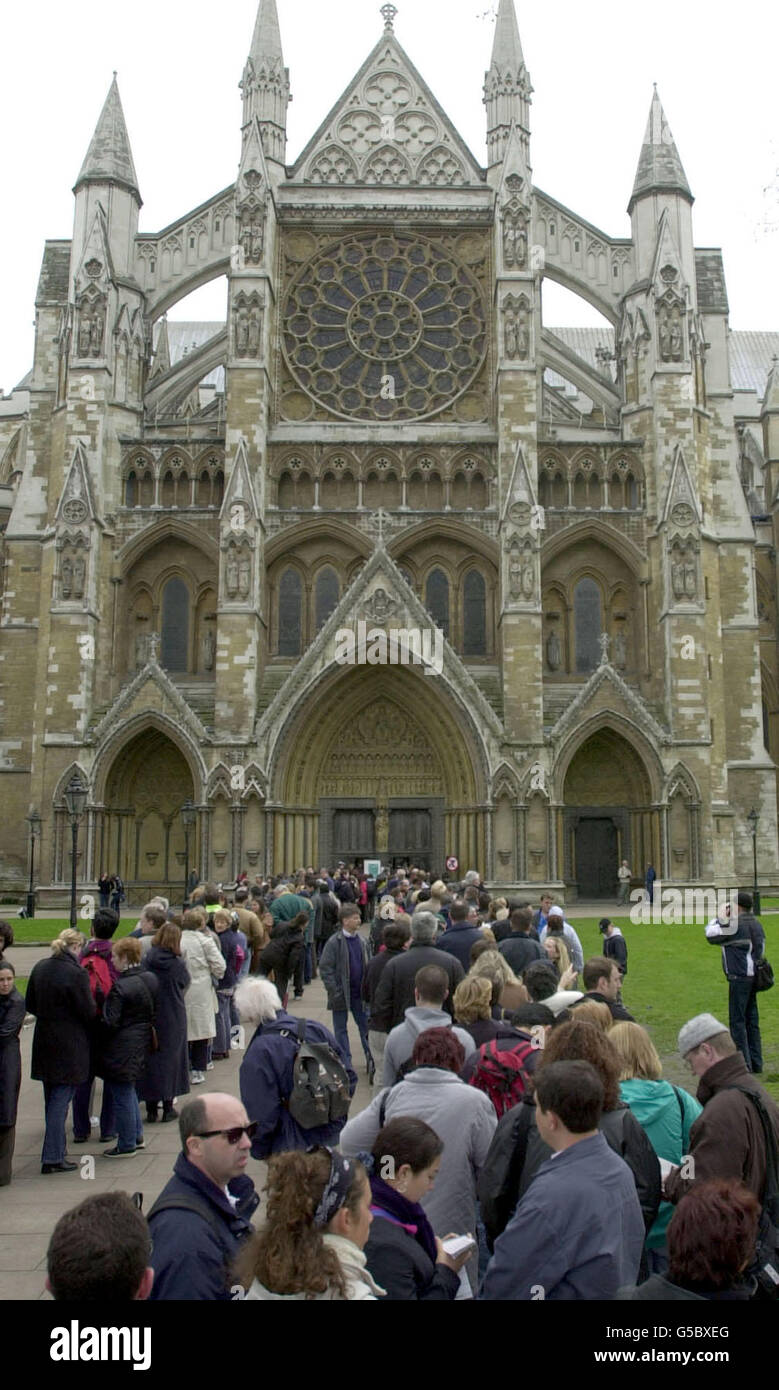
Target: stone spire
{"points": [[265, 83], [507, 88], [659, 167], [161, 351], [109, 158]]}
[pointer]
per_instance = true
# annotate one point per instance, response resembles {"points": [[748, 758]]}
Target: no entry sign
{"points": [[452, 864]]}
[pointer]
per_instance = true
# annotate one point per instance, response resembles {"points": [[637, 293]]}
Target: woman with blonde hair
{"points": [[665, 1111], [311, 1245], [59, 995], [508, 991], [555, 949]]}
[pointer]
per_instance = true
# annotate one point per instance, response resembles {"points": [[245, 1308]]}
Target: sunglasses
{"points": [[231, 1135]]}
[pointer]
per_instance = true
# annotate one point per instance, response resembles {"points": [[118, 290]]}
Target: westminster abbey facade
{"points": [[384, 430]]}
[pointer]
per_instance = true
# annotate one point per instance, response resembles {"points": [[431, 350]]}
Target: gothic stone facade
{"points": [[385, 431]]}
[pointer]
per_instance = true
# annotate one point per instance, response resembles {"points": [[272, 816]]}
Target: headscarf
{"points": [[337, 1185]]}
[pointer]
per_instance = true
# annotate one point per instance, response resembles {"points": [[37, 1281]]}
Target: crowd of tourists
{"points": [[521, 1142]]}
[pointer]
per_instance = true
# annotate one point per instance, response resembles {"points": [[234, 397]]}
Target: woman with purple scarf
{"points": [[403, 1254]]}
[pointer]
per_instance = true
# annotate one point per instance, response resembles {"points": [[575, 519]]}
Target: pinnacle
{"points": [[507, 48], [266, 40], [109, 157], [659, 165]]}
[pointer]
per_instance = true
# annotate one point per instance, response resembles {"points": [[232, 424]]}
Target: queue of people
{"points": [[522, 1142]]}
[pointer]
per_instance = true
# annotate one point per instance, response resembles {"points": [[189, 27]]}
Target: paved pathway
{"points": [[32, 1204]]}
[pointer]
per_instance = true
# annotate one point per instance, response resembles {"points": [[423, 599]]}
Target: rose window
{"points": [[387, 327]]}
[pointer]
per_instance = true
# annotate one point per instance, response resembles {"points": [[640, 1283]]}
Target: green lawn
{"points": [[673, 974], [43, 929]]}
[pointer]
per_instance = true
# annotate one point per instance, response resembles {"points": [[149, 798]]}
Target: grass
{"points": [[674, 974], [36, 930]]}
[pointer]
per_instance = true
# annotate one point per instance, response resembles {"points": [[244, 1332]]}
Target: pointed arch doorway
{"points": [[142, 835], [609, 815]]}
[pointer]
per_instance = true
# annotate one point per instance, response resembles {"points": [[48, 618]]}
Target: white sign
{"points": [[452, 864], [372, 867]]}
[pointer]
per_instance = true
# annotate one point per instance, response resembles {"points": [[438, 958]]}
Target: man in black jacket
{"points": [[519, 949], [458, 939], [602, 982], [743, 946], [395, 993], [615, 946]]}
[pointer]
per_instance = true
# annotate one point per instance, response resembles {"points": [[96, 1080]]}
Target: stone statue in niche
{"points": [[676, 339], [664, 334], [241, 330], [66, 576], [244, 576], [381, 829], [141, 649], [231, 575], [514, 241], [209, 650], [528, 574], [79, 576], [620, 649], [84, 331], [253, 233], [96, 331], [255, 322], [515, 572], [690, 575], [553, 652], [515, 329]]}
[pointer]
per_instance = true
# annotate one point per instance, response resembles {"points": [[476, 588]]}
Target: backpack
{"points": [[501, 1075], [100, 981], [320, 1083], [765, 1267]]}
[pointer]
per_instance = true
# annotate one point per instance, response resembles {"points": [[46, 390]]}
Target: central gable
{"points": [[388, 130]]}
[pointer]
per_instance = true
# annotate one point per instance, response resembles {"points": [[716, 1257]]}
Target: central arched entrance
{"points": [[378, 764], [608, 815], [142, 832]]}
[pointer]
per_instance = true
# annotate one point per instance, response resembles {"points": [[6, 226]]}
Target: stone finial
{"points": [[388, 14]]}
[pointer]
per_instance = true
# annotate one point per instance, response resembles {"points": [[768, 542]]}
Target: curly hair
{"points": [[495, 967], [288, 1255], [579, 1041]]}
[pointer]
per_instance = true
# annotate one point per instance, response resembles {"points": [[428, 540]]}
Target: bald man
{"points": [[202, 1216]]}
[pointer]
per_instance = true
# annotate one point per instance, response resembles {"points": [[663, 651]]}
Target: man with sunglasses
{"points": [[202, 1216]]}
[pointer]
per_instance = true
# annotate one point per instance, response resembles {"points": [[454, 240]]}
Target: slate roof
{"points": [[55, 269]]}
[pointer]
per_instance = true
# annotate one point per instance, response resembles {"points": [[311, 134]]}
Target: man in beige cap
{"points": [[728, 1139]]}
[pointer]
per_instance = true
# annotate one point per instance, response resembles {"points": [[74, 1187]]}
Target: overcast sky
{"points": [[592, 67]]}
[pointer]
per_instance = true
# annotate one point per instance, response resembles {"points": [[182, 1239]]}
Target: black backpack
{"points": [[320, 1083], [765, 1268]]}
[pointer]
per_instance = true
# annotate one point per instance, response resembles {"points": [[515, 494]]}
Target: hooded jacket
{"points": [[399, 1046], [666, 1113], [660, 1290], [727, 1140], [615, 948]]}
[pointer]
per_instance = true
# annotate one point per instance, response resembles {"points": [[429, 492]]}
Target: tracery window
{"points": [[437, 599], [384, 326], [474, 614], [328, 592], [290, 613], [175, 626]]}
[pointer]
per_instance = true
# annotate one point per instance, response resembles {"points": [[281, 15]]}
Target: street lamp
{"points": [[76, 802], [34, 821], [188, 817], [753, 818]]}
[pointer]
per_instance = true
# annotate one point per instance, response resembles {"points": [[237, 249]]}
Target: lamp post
{"points": [[34, 822], [188, 817], [76, 802], [753, 818]]}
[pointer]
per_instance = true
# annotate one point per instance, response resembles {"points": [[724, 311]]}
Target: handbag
{"points": [[764, 976]]}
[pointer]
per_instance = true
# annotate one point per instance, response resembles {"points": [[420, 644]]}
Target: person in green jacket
{"points": [[285, 906], [666, 1113]]}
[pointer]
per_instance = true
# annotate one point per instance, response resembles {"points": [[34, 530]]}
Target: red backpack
{"points": [[100, 981], [502, 1075]]}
